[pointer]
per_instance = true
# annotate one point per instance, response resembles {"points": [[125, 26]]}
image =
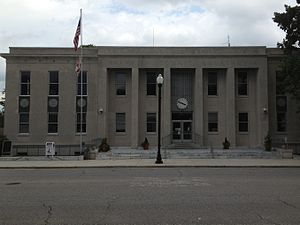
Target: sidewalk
{"points": [[150, 163]]}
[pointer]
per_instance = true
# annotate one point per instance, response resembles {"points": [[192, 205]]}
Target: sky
{"points": [[52, 23]]}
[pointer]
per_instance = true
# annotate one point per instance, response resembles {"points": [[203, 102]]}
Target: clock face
{"points": [[53, 102], [24, 103], [182, 103], [81, 103]]}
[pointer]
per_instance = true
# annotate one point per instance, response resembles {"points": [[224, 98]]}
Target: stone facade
{"points": [[228, 91]]}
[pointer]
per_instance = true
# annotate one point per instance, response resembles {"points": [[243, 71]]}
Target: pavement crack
{"points": [[266, 220], [49, 213], [287, 204]]}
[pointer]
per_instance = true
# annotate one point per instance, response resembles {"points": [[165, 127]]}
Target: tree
{"points": [[289, 22]]}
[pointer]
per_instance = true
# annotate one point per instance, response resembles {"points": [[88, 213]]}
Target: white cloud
{"points": [[130, 22]]}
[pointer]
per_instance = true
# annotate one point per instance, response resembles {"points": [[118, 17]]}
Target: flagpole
{"points": [[81, 80]]}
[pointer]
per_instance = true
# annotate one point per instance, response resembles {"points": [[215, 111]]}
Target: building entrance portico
{"points": [[182, 131]]}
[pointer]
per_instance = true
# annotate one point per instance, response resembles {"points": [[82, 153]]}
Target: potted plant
{"points": [[145, 144], [268, 142], [104, 147], [226, 144]]}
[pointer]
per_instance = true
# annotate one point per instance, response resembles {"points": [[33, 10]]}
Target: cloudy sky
{"points": [[52, 23]]}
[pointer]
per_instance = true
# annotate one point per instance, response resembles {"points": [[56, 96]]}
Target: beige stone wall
{"points": [[102, 63]]}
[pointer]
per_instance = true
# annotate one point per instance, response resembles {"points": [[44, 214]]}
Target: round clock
{"points": [[53, 102], [182, 103], [81, 103], [24, 102]]}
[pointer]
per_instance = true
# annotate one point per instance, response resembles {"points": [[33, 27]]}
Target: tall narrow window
{"points": [[24, 107], [243, 122], [53, 83], [212, 81], [120, 122], [213, 122], [151, 83], [82, 79], [53, 104], [151, 122], [81, 102], [81, 113], [25, 83], [24, 102], [242, 83], [281, 103], [120, 83], [279, 83]]}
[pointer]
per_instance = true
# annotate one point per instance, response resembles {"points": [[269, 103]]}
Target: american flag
{"points": [[77, 33], [77, 66]]}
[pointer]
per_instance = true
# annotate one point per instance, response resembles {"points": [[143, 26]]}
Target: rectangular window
{"points": [[281, 121], [81, 122], [213, 122], [212, 80], [120, 122], [81, 106], [279, 83], [243, 122], [52, 122], [53, 82], [151, 83], [120, 83], [242, 83], [24, 107], [151, 122], [25, 83], [82, 79], [24, 122]]}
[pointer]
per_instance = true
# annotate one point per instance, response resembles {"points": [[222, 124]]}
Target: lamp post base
{"points": [[159, 160]]}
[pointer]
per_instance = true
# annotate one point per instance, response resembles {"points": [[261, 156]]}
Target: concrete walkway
{"points": [[149, 163]]}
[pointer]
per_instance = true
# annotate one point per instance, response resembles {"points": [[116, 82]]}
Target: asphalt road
{"points": [[256, 196]]}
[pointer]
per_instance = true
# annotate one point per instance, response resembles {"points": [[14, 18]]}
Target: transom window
{"points": [[120, 83], [242, 83], [212, 83], [151, 83], [25, 83], [53, 82]]}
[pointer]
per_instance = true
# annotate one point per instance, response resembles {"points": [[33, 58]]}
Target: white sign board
{"points": [[50, 149]]}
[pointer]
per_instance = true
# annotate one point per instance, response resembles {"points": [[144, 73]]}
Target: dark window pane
{"points": [[24, 117], [53, 78], [120, 83], [24, 128], [243, 117], [243, 122], [212, 88], [52, 128], [120, 122], [83, 128], [53, 89], [151, 83], [53, 118], [213, 122], [212, 127], [242, 83], [25, 76], [281, 122], [151, 122]]}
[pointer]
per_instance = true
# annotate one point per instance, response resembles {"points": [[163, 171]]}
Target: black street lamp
{"points": [[159, 81]]}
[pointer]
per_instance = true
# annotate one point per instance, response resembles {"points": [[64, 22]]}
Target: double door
{"points": [[182, 131]]}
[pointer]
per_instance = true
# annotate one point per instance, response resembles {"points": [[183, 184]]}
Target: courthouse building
{"points": [[208, 93]]}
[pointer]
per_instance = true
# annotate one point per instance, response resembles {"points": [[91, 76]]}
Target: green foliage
{"points": [[104, 147], [289, 21], [226, 144], [268, 142]]}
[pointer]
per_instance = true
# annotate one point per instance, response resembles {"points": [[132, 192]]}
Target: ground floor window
{"points": [[281, 121], [212, 122], [243, 122], [120, 122], [24, 123], [151, 122]]}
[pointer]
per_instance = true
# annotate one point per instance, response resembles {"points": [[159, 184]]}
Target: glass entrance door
{"points": [[182, 131]]}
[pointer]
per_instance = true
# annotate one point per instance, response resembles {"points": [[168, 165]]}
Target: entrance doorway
{"points": [[182, 131]]}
